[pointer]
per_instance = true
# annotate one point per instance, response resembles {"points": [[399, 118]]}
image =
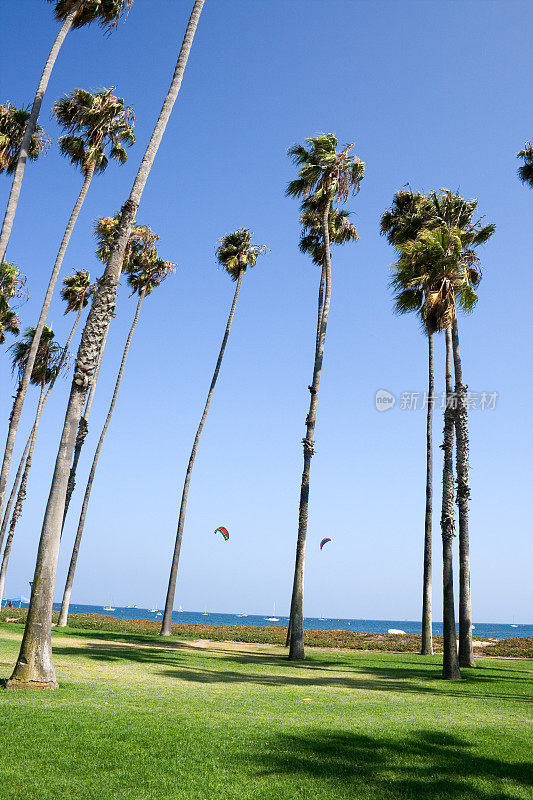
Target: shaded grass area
{"points": [[352, 640], [141, 717]]}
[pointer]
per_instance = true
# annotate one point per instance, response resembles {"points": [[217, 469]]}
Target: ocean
{"points": [[490, 630]]}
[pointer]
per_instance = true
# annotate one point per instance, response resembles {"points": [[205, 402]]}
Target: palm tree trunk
{"points": [[83, 430], [296, 647], [28, 455], [30, 130], [427, 633], [450, 664], [63, 614], [25, 381], [318, 330], [466, 649], [21, 496], [35, 666], [166, 625]]}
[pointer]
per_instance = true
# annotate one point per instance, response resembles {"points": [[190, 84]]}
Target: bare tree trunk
{"points": [[35, 666], [63, 614], [16, 186], [450, 663], [427, 632], [83, 430], [296, 647], [25, 381], [466, 648], [318, 330], [166, 625]]}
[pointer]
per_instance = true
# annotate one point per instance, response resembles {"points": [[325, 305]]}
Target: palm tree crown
{"points": [[77, 290], [325, 173], [106, 12], [11, 283], [12, 126], [140, 248], [525, 172], [94, 121], [145, 279], [235, 252], [434, 274], [45, 368], [341, 230]]}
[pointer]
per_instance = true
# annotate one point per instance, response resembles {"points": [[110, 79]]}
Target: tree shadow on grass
{"points": [[175, 658], [425, 764]]}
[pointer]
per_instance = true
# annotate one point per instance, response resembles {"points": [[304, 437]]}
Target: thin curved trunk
{"points": [[21, 496], [166, 624], [83, 430], [427, 633], [450, 663], [27, 457], [296, 646], [25, 381], [318, 329], [35, 666], [466, 648], [63, 614], [16, 186]]}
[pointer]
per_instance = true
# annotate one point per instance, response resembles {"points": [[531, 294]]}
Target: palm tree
{"points": [[325, 175], [454, 211], [76, 291], [35, 666], [94, 123], [525, 172], [73, 14], [403, 221], [341, 230], [434, 274], [11, 283], [235, 253], [409, 214], [143, 281], [13, 123], [139, 250], [49, 361]]}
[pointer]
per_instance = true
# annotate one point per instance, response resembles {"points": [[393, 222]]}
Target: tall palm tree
{"points": [[525, 171], [325, 175], [341, 230], [48, 364], [403, 221], [140, 251], [93, 123], [235, 253], [35, 666], [434, 275], [72, 14], [409, 214], [13, 123], [455, 212], [143, 281], [76, 291]]}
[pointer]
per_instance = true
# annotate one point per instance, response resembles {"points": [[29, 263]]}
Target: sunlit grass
{"points": [[139, 717]]}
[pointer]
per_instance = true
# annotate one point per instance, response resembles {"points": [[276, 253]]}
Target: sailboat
{"points": [[273, 618], [109, 607]]}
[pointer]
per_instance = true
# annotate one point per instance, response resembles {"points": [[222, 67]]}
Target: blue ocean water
{"points": [[482, 629]]}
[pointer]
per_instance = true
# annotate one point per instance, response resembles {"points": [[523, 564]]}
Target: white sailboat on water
{"points": [[273, 618]]}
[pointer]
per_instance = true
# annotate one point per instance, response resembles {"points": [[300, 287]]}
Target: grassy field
{"points": [[141, 718]]}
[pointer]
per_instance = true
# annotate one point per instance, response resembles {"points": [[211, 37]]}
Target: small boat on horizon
{"points": [[109, 608]]}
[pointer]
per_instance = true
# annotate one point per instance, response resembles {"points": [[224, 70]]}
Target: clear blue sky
{"points": [[432, 92]]}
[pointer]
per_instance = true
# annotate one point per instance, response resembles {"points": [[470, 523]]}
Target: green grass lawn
{"points": [[138, 717]]}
